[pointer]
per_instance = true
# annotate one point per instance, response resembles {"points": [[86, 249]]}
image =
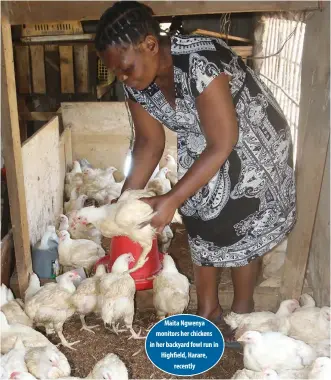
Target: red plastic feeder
{"points": [[142, 277]]}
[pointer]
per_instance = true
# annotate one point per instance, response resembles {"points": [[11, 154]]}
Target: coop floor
{"points": [[93, 347]]}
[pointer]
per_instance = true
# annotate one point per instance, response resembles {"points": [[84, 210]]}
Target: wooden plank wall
{"points": [[44, 170], [313, 138], [101, 132], [31, 65]]}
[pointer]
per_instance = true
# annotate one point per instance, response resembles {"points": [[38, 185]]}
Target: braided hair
{"points": [[126, 23]]}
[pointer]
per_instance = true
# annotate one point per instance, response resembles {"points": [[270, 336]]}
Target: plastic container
{"points": [[142, 277], [45, 261]]}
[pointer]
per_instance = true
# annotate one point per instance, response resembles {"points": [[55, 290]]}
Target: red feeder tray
{"points": [[142, 277]]}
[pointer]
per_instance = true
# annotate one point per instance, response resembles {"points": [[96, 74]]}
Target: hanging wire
{"points": [[303, 18]]}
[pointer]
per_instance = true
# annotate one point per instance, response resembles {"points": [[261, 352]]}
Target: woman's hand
{"points": [[165, 206]]}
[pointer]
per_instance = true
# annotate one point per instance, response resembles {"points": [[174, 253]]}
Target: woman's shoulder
{"points": [[188, 44]]}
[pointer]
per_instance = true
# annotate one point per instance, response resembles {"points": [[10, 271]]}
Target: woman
{"points": [[236, 189]]}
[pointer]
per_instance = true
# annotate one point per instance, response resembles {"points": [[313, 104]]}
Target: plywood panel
{"points": [[44, 169], [81, 68], [67, 70], [38, 69], [22, 69], [101, 132]]}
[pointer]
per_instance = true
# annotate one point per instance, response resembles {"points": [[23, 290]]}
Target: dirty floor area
{"points": [[93, 347]]}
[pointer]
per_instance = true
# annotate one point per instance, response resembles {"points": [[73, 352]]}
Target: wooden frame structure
{"points": [[312, 146]]}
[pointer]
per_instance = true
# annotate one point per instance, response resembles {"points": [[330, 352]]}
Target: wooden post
{"points": [[313, 139], [13, 159]]}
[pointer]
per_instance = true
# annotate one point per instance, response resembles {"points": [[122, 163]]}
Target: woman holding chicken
{"points": [[236, 189]]}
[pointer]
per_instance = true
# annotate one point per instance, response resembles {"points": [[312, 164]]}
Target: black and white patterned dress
{"points": [[248, 207]]}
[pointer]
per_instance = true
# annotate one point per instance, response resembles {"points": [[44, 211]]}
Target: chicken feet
{"points": [[84, 325], [134, 335], [64, 341], [142, 259]]}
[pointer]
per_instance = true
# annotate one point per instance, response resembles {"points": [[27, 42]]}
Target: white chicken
{"points": [[76, 168], [22, 376], [78, 230], [264, 320], [170, 290], [321, 369], [12, 308], [80, 253], [97, 179], [275, 350], [47, 363], [310, 324], [85, 299], [160, 184], [75, 185], [110, 367], [165, 239], [51, 305], [128, 217], [117, 290], [107, 194], [75, 202], [171, 164], [29, 336], [14, 359]]}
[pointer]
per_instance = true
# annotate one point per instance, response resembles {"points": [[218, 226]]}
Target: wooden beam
{"points": [[210, 33], [27, 12], [38, 69], [313, 138], [13, 158], [67, 70], [22, 65], [81, 68]]}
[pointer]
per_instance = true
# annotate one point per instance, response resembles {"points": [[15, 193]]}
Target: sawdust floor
{"points": [[93, 347]]}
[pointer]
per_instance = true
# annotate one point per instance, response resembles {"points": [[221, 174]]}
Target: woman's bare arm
{"points": [[148, 147]]}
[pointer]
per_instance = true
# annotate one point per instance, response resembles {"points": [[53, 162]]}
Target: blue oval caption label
{"points": [[184, 345]]}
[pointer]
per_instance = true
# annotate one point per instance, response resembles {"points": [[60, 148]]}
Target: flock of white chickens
{"points": [[294, 342], [29, 354]]}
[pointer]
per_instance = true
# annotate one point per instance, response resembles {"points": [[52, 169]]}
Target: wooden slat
{"points": [[11, 143], [67, 70], [28, 12], [313, 137], [22, 69], [204, 32], [81, 68], [38, 69]]}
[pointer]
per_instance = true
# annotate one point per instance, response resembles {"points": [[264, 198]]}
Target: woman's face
{"points": [[134, 65]]}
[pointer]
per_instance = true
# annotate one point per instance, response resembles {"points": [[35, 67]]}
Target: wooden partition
{"points": [[44, 164], [101, 132]]}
